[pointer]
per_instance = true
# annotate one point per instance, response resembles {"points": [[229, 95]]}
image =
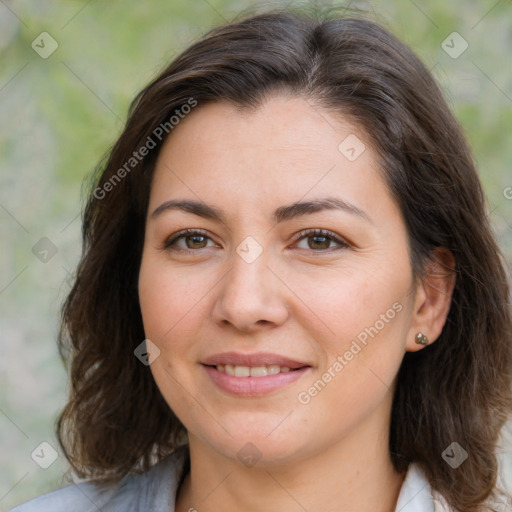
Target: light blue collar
{"points": [[415, 494]]}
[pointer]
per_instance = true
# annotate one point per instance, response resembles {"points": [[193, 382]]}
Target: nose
{"points": [[250, 296]]}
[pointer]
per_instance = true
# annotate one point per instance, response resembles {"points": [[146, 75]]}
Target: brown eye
{"points": [[320, 240], [196, 241], [188, 240]]}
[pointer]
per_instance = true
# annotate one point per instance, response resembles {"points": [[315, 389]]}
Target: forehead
{"points": [[287, 148], [283, 124]]}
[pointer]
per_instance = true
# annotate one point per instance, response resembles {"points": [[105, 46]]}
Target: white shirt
{"points": [[416, 495], [156, 489]]}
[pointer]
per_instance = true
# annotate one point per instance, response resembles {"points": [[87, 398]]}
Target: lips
{"points": [[253, 375], [253, 386], [253, 360]]}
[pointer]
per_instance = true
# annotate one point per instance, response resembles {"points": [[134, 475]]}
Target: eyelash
{"points": [[306, 233]]}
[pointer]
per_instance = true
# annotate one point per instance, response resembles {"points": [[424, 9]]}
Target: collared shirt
{"points": [[156, 489]]}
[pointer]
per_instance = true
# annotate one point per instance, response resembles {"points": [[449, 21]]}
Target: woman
{"points": [[289, 296]]}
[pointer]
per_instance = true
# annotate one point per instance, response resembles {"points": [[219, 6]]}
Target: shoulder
{"points": [[417, 495], [153, 490], [440, 504], [84, 497]]}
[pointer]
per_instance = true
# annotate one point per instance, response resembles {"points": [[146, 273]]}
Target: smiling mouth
{"points": [[253, 371], [252, 381]]}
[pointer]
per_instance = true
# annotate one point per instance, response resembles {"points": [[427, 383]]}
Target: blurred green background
{"points": [[61, 113]]}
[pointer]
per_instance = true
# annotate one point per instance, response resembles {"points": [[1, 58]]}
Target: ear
{"points": [[432, 298]]}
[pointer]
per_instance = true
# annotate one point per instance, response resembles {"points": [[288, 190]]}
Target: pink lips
{"points": [[260, 359], [253, 386]]}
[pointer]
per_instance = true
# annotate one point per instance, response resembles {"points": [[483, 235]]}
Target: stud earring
{"points": [[421, 339]]}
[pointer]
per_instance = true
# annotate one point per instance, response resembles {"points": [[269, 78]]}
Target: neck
{"points": [[352, 475]]}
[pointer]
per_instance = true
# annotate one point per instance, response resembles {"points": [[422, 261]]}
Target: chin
{"points": [[259, 443], [259, 452]]}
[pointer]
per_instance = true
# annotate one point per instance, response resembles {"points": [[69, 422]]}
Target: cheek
{"points": [[353, 303], [168, 298], [364, 317]]}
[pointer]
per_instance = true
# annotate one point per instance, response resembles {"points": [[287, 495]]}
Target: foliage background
{"points": [[59, 115]]}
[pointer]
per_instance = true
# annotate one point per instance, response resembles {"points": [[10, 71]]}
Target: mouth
{"points": [[265, 360], [250, 375], [253, 371]]}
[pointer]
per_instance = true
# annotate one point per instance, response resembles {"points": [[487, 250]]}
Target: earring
{"points": [[421, 339]]}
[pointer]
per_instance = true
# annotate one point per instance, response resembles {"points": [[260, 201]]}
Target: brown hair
{"points": [[458, 389]]}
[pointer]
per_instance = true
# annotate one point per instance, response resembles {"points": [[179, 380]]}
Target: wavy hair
{"points": [[116, 421]]}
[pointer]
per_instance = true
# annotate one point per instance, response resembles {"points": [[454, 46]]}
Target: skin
{"points": [[307, 299]]}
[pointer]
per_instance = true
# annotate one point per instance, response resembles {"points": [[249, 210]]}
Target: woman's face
{"points": [[256, 291]]}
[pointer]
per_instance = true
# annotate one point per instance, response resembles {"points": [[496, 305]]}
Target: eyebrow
{"points": [[281, 214]]}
